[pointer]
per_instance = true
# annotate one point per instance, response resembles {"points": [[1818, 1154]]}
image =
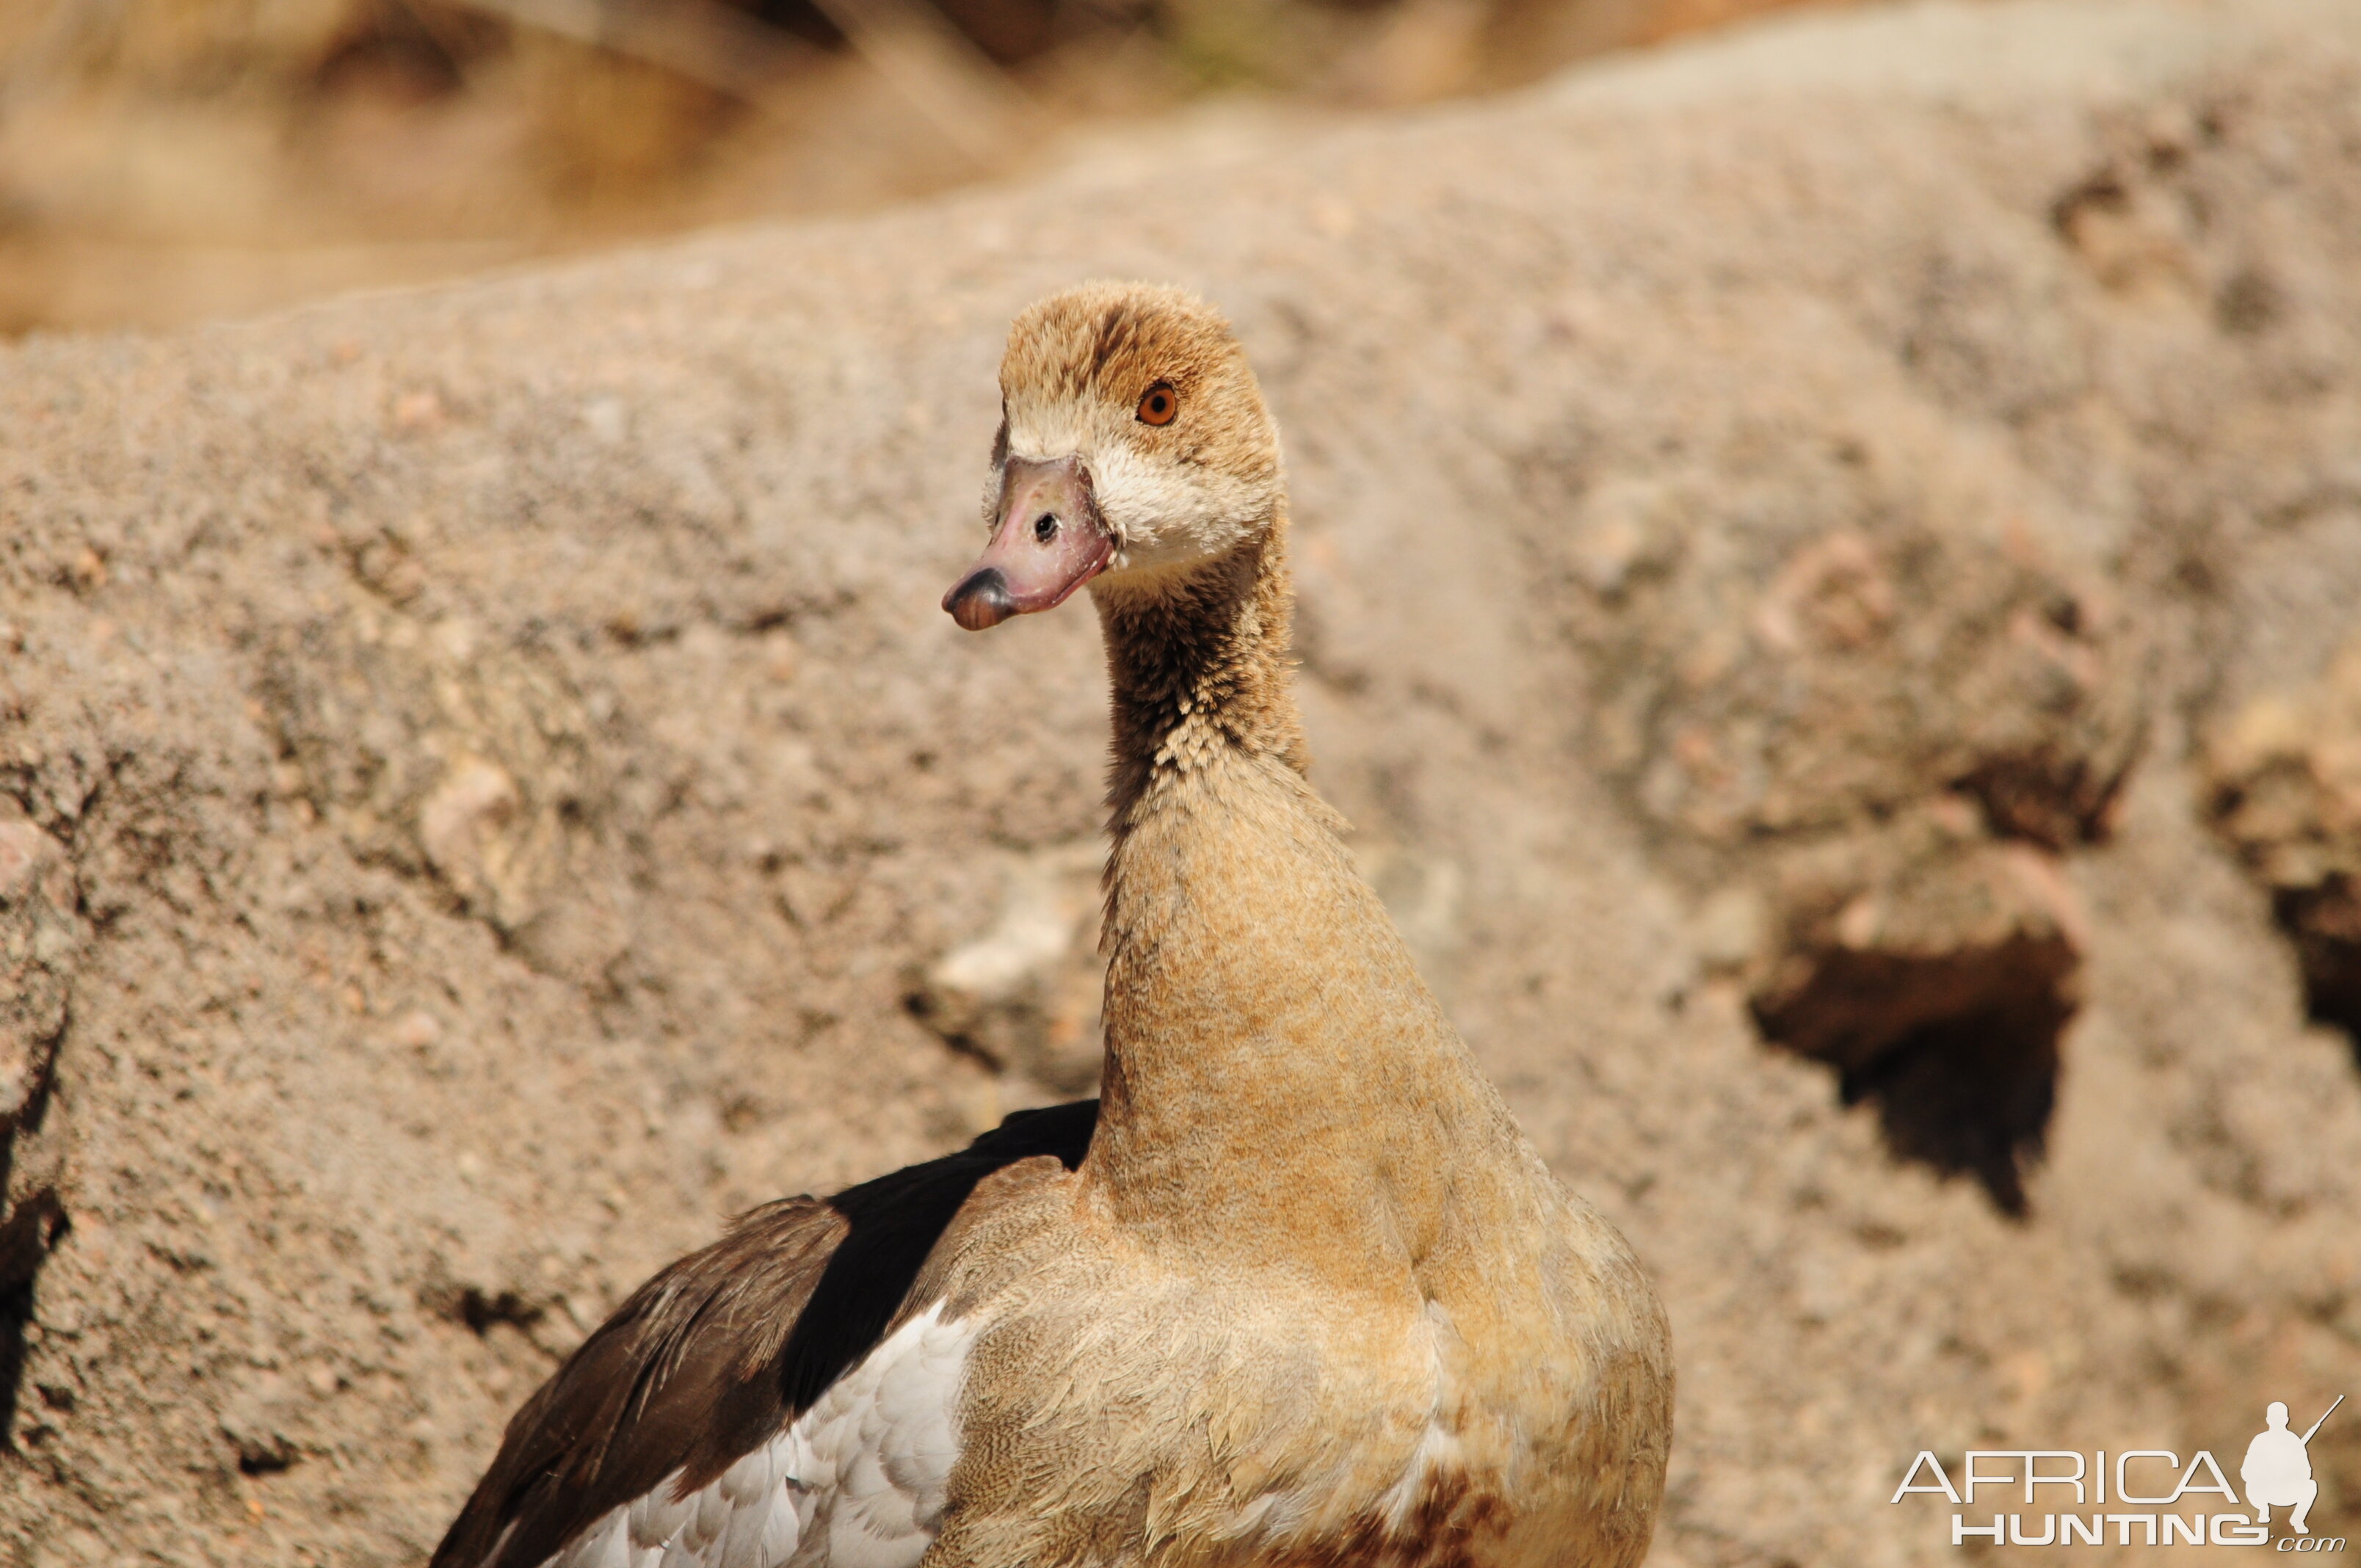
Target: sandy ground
{"points": [[1785, 527]]}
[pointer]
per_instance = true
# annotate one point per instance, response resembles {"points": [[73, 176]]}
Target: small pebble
{"points": [[416, 1030]]}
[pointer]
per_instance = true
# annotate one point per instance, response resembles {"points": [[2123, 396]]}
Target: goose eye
{"points": [[1159, 405]]}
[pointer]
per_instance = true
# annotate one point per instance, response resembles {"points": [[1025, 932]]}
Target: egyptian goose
{"points": [[1295, 1291]]}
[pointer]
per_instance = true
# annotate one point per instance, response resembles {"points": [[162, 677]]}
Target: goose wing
{"points": [[775, 1401]]}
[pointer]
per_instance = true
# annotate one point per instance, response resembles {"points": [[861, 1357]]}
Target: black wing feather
{"points": [[713, 1356]]}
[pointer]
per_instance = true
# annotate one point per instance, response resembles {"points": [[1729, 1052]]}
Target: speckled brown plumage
{"points": [[1311, 1299]]}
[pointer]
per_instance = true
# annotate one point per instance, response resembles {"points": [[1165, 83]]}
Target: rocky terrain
{"points": [[1829, 561]]}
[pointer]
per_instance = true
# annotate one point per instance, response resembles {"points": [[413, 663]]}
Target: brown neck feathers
{"points": [[1199, 669]]}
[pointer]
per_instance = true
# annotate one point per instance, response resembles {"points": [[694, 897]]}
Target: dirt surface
{"points": [[1794, 535]]}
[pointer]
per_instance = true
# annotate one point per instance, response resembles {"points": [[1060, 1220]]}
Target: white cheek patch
{"points": [[1161, 513], [1165, 513], [857, 1482]]}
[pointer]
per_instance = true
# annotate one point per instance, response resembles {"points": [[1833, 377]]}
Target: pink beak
{"points": [[1050, 539]]}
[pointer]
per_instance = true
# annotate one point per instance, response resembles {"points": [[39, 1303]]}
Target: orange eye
{"points": [[1160, 403]]}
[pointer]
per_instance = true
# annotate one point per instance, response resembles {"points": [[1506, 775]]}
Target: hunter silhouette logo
{"points": [[2137, 1497], [2278, 1471]]}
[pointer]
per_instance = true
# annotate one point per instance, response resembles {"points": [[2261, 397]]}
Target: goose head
{"points": [[1134, 450]]}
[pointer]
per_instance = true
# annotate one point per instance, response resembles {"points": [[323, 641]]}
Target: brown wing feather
{"points": [[717, 1354]]}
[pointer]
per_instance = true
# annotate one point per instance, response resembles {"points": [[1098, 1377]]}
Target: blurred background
{"points": [[165, 160]]}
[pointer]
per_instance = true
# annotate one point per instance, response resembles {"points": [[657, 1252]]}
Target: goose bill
{"points": [[1050, 539]]}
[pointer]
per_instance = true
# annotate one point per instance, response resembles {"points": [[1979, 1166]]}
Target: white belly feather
{"points": [[857, 1482]]}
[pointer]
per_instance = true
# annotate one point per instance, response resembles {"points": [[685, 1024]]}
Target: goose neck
{"points": [[1198, 668]]}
